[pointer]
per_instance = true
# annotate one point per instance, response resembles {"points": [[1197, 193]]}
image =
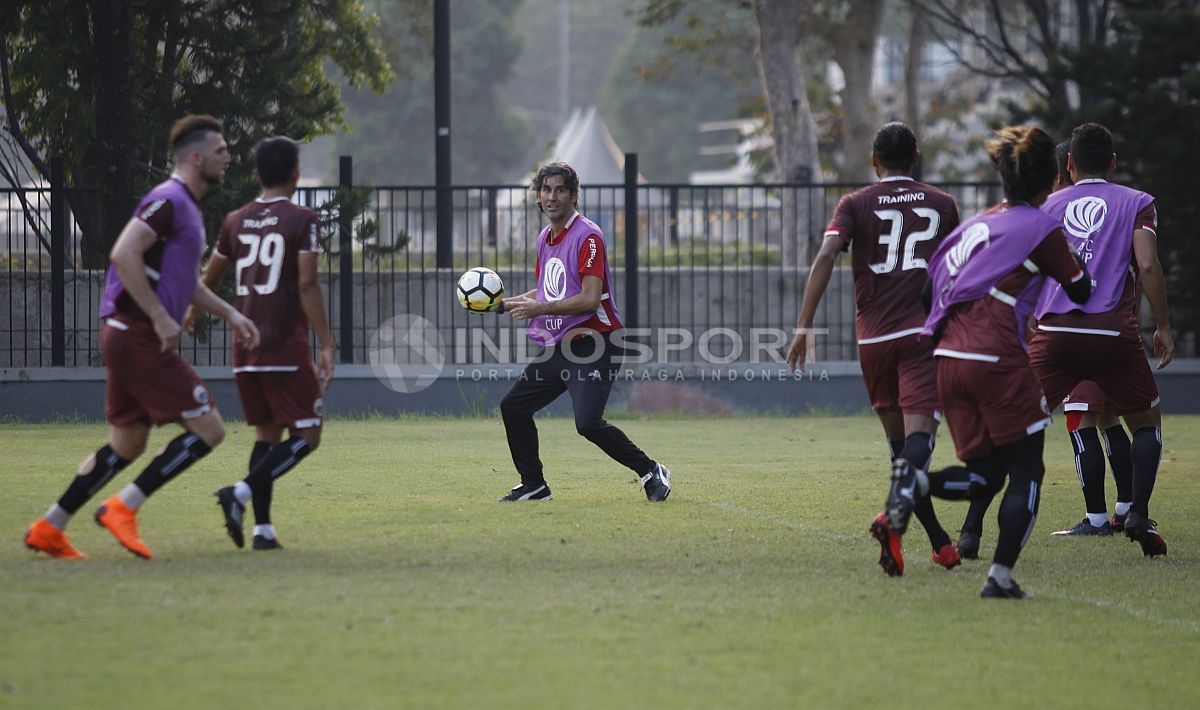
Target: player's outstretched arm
{"points": [[1145, 251], [586, 301], [313, 303], [803, 343], [128, 257], [506, 303], [213, 272]]}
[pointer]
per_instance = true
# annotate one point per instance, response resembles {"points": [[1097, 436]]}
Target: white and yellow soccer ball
{"points": [[480, 290]]}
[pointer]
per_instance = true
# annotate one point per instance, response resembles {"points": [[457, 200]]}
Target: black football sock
{"points": [[1089, 464], [261, 449], [897, 446], [183, 451], [1019, 506], [1116, 443], [980, 493], [1145, 453], [278, 461], [105, 466], [957, 483], [918, 450]]}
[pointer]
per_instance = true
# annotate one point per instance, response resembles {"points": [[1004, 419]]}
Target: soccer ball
{"points": [[480, 290]]}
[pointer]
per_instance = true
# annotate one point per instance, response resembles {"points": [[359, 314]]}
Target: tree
{"points": [[392, 138], [99, 82], [681, 88], [852, 29], [1107, 61]]}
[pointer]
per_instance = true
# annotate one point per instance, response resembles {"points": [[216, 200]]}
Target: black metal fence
{"points": [[694, 257]]}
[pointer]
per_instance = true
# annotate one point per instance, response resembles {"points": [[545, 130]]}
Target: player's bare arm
{"points": [[213, 272], [506, 303], [1145, 252], [586, 301], [129, 258], [243, 327], [313, 303], [803, 344]]}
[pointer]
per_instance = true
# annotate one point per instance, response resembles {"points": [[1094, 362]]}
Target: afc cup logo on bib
{"points": [[554, 283], [1085, 216], [977, 235]]}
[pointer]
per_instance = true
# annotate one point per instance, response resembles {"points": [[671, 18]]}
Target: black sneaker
{"points": [[1085, 527], [902, 495], [234, 511], [968, 545], [657, 483], [1117, 523], [993, 590], [1145, 531], [266, 543], [524, 492]]}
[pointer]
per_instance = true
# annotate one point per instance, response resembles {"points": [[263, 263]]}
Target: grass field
{"points": [[404, 584]]}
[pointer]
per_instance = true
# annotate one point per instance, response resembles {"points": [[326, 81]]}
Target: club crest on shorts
{"points": [[200, 394], [319, 407]]}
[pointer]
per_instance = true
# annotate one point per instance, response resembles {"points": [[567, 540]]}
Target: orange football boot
{"points": [[44, 537], [118, 519], [947, 557], [891, 559]]}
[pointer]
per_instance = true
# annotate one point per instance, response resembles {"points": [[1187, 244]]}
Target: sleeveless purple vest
{"points": [[559, 278], [175, 278], [980, 252], [1098, 219]]}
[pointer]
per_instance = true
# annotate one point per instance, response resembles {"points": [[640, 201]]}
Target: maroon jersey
{"points": [[989, 329], [264, 240], [894, 226]]}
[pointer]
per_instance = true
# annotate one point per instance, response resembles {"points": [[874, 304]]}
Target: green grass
{"points": [[404, 584]]}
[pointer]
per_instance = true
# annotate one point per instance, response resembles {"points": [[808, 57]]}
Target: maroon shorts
{"points": [[145, 385], [1116, 364], [1086, 398], [988, 405], [290, 399], [901, 374]]}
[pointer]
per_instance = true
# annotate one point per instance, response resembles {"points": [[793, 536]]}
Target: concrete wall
{"points": [[50, 394], [738, 298]]}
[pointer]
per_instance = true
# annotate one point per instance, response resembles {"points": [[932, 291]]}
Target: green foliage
{"points": [[1146, 90], [100, 82], [393, 136], [685, 63], [346, 206], [404, 584]]}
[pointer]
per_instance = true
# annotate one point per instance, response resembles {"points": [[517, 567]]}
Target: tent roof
{"points": [[587, 145]]}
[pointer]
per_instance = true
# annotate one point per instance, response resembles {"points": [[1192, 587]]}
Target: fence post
{"points": [[346, 264], [58, 266], [631, 241], [674, 197], [441, 109]]}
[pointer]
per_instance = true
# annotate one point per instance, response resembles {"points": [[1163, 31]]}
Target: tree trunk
{"points": [[792, 126], [111, 169], [854, 51], [914, 55]]}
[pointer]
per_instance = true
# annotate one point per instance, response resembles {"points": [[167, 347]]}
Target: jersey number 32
{"points": [[891, 238]]}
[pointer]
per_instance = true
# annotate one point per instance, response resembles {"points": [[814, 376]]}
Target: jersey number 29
{"points": [[894, 223], [267, 251]]}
